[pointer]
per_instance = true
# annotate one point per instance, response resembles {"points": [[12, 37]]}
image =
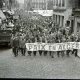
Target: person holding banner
{"points": [[52, 52], [73, 40], [75, 50], [34, 52], [63, 40], [46, 41], [72, 37], [15, 45], [22, 45], [58, 41], [43, 41], [68, 51], [40, 51], [51, 40], [29, 41]]}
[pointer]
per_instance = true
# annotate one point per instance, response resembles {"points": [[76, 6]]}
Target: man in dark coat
{"points": [[40, 51], [22, 45], [63, 41], [29, 52], [34, 52], [15, 45], [75, 50], [68, 51], [73, 39], [58, 52]]}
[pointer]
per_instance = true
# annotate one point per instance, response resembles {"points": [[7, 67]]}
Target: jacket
{"points": [[22, 43], [15, 42]]}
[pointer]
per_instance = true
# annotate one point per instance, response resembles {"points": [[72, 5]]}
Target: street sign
{"points": [[71, 17]]}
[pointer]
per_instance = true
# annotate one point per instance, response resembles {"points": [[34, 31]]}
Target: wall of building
{"points": [[62, 9], [76, 26], [39, 4], [76, 13], [10, 4], [70, 4]]}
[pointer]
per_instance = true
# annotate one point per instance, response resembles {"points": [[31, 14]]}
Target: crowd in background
{"points": [[38, 31]]}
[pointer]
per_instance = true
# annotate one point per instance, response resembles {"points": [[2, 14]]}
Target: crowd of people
{"points": [[45, 33]]}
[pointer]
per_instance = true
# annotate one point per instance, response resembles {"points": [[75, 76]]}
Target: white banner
{"points": [[52, 46]]}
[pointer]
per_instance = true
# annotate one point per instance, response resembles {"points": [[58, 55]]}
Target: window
{"points": [[68, 23], [62, 21], [59, 3], [63, 3], [59, 20], [78, 27], [56, 18], [79, 4], [56, 2], [53, 16]]}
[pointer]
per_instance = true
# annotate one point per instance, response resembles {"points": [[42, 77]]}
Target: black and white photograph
{"points": [[39, 39]]}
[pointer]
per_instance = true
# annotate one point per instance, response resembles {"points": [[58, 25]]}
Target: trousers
{"points": [[15, 51]]}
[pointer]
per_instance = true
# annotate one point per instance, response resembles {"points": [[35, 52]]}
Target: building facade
{"points": [[76, 13], [10, 4], [27, 4], [38, 4], [35, 4], [62, 12]]}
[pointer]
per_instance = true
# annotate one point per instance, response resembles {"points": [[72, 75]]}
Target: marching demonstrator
{"points": [[22, 45], [15, 45]]}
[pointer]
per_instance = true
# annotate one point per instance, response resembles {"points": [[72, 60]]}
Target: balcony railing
{"points": [[55, 7], [76, 9], [59, 8]]}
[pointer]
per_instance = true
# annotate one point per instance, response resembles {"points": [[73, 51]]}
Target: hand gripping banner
{"points": [[52, 46]]}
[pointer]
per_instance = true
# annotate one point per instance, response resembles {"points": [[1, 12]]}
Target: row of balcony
{"points": [[63, 8], [76, 11], [58, 8]]}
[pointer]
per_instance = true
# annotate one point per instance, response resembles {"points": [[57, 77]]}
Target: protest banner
{"points": [[52, 46], [78, 52]]}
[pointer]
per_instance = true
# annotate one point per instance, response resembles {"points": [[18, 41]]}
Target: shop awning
{"points": [[2, 15]]}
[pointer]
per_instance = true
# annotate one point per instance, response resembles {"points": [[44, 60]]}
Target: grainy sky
{"points": [[20, 1]]}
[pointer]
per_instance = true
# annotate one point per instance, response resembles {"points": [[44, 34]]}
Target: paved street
{"points": [[38, 67]]}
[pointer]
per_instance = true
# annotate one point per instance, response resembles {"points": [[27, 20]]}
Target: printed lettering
{"points": [[43, 47], [77, 45], [50, 48], [35, 47], [54, 48], [68, 46], [64, 46], [60, 47], [30, 47], [73, 45]]}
